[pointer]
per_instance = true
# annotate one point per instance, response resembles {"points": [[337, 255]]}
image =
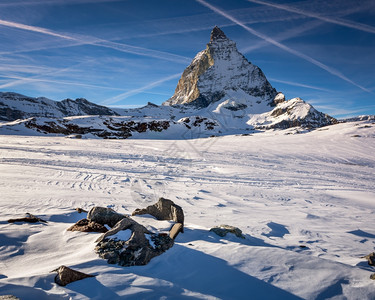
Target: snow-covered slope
{"points": [[304, 202], [221, 73], [292, 113], [15, 106]]}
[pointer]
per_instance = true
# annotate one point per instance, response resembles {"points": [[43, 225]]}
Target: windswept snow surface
{"points": [[283, 191]]}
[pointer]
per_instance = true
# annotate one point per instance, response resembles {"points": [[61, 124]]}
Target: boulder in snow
{"points": [[164, 209], [136, 248], [370, 259], [104, 215], [222, 230], [67, 275], [29, 219]]}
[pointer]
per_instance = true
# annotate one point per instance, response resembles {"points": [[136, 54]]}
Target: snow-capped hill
{"points": [[292, 113], [218, 71], [14, 106]]}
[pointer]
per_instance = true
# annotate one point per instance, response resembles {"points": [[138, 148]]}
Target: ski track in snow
{"points": [[283, 191]]}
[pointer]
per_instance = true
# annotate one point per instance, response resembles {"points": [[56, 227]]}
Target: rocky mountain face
{"points": [[217, 71], [15, 106]]}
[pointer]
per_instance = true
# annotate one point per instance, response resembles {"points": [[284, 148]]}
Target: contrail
{"points": [[35, 29], [299, 84], [282, 46], [284, 36], [101, 43], [22, 80], [342, 22], [127, 94]]}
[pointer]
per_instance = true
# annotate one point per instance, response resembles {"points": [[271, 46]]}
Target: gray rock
{"points": [[104, 215], [67, 275], [139, 249], [85, 225], [164, 209], [222, 230]]}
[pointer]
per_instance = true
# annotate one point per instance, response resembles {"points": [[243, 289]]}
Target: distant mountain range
{"points": [[219, 93]]}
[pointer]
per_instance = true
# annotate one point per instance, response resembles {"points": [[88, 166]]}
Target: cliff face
{"points": [[220, 70]]}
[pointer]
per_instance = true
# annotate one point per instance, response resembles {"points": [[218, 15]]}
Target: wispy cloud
{"points": [[136, 91], [282, 46], [338, 21], [88, 40]]}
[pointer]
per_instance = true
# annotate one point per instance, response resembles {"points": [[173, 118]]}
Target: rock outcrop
{"points": [[217, 70], [164, 209], [139, 249], [222, 230], [104, 215], [85, 225], [67, 275]]}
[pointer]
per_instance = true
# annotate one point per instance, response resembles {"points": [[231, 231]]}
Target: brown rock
{"points": [[164, 209], [85, 225], [372, 276], [29, 219], [67, 275], [175, 230], [81, 210]]}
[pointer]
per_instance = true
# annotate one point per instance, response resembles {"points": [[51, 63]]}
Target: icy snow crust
{"points": [[283, 191]]}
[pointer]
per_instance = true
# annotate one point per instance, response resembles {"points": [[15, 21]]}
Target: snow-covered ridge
{"points": [[15, 106]]}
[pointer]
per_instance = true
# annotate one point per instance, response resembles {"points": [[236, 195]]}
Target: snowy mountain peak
{"points": [[217, 34], [220, 73]]}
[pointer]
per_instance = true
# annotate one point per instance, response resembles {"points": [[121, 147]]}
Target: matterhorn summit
{"points": [[221, 73]]}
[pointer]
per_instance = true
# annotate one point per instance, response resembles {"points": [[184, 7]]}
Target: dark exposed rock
{"points": [[67, 275], [370, 259], [217, 33], [164, 209], [29, 219], [139, 249], [85, 225], [222, 230], [104, 215], [115, 129], [372, 276]]}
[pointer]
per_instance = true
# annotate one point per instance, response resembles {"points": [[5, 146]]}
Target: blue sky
{"points": [[126, 52]]}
